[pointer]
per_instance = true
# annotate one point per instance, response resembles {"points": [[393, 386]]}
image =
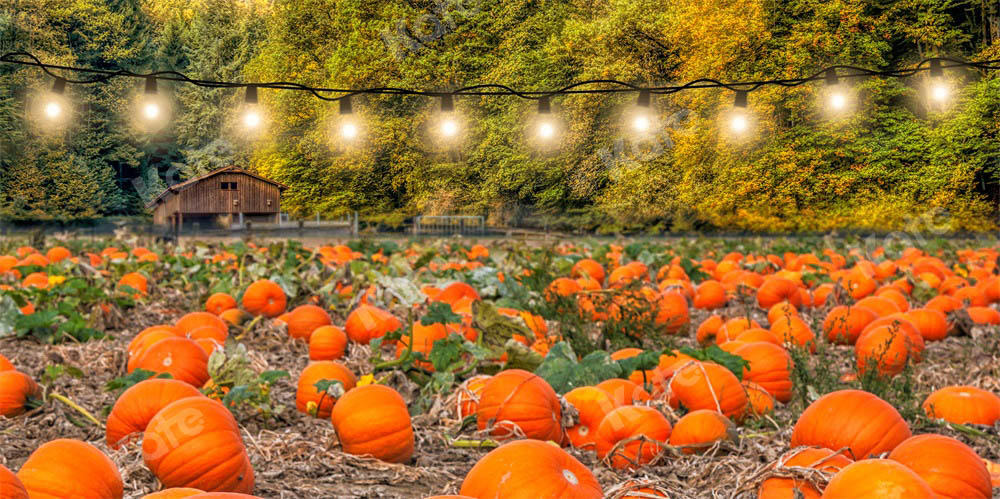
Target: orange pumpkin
{"points": [[196, 320], [804, 457], [844, 324], [145, 339], [10, 486], [711, 294], [518, 402], [265, 298], [182, 358], [932, 323], [624, 392], [590, 268], [775, 290], [770, 367], [70, 468], [592, 404], [137, 405], [884, 348], [5, 364], [709, 328], [423, 338], [469, 394], [855, 419], [792, 330], [699, 430], [174, 493], [962, 405], [58, 254], [234, 316], [366, 323], [644, 428], [530, 469], [16, 391], [950, 468], [307, 392], [327, 343], [943, 303], [877, 479], [135, 281], [373, 420], [219, 303], [707, 385], [983, 315], [305, 319], [761, 402], [195, 442]]}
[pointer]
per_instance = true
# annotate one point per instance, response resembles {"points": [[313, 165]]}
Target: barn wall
{"points": [[252, 195]]}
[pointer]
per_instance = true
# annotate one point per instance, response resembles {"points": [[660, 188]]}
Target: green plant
{"points": [[238, 386]]}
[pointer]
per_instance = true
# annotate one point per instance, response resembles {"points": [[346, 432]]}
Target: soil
{"points": [[297, 456]]}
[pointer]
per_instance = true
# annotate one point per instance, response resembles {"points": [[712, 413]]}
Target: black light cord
{"points": [[604, 86]]}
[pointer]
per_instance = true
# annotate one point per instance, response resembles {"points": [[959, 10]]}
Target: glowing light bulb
{"points": [[739, 123], [349, 131], [449, 128], [53, 110], [546, 130], [151, 111], [939, 92], [251, 119], [641, 123], [838, 101]]}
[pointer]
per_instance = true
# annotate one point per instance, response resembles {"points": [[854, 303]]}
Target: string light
{"points": [[546, 126], [739, 122], [54, 107], [151, 108], [349, 130]]}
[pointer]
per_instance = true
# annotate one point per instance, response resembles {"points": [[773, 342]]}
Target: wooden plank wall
{"points": [[251, 196]]}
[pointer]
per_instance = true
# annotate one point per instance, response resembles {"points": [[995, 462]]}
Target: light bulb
{"points": [[53, 110], [349, 131], [151, 111], [449, 128], [838, 101], [641, 123], [546, 130], [739, 123], [251, 119], [939, 92]]}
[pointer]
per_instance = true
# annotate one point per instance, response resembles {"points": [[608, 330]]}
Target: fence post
{"points": [[354, 226]]}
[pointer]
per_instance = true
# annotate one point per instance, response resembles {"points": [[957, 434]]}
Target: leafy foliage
{"points": [[563, 371]]}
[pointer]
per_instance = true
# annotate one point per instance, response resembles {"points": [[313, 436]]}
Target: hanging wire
{"points": [[602, 86]]}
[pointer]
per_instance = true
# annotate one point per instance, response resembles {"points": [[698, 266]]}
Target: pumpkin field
{"points": [[495, 369]]}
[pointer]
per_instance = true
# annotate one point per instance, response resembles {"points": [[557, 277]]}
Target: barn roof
{"points": [[177, 188]]}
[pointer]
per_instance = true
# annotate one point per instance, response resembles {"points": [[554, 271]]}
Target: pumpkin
{"points": [[775, 290], [145, 339], [219, 303], [373, 420], [16, 391], [843, 324], [708, 328], [792, 330], [962, 405], [182, 358], [58, 254], [855, 419], [304, 319], [983, 315], [761, 402], [932, 323], [884, 348], [950, 468], [265, 298], [896, 296], [235, 316], [877, 479], [592, 404], [322, 403], [758, 334], [195, 442], [136, 281], [366, 323], [770, 367], [779, 310], [5, 364], [648, 377], [208, 333], [174, 493], [518, 402], [422, 338], [196, 320], [589, 267], [70, 468], [468, 395], [327, 343], [943, 303], [623, 391], [530, 469], [707, 385], [671, 311], [804, 457], [711, 294], [10, 486], [733, 328], [901, 322], [643, 428], [137, 405], [699, 430]]}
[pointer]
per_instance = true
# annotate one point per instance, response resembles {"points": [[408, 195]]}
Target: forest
{"points": [[894, 163]]}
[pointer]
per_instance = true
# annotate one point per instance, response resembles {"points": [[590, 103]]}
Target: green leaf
{"points": [[440, 313], [446, 352], [270, 377], [131, 379], [561, 369]]}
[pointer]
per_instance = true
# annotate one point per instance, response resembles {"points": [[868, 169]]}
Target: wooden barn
{"points": [[219, 198]]}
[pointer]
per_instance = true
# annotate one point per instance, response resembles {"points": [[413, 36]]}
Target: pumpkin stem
{"points": [[473, 444], [76, 407], [248, 327]]}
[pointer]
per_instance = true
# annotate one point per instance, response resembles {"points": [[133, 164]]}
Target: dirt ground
{"points": [[298, 456]]}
